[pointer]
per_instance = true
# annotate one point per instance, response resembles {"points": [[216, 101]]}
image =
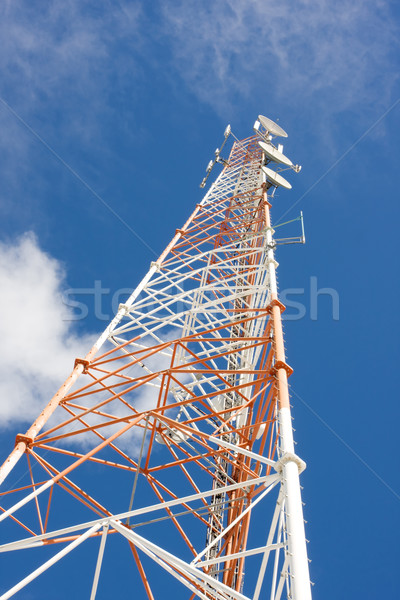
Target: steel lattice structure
{"points": [[182, 407]]}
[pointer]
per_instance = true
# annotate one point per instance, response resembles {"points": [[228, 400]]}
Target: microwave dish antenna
{"points": [[272, 127], [272, 153], [275, 179]]}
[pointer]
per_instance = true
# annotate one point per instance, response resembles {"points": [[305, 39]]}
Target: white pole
{"points": [[99, 562], [298, 561]]}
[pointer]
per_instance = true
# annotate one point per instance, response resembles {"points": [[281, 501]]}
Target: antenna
{"points": [[271, 153], [275, 179], [298, 239], [218, 158], [270, 127], [303, 237]]}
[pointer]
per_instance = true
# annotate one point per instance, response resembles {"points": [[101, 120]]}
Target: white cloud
{"points": [[37, 344]]}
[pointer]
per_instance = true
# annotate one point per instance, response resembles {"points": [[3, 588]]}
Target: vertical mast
{"points": [[290, 463]]}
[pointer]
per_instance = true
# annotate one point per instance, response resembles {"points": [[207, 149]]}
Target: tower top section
{"points": [[265, 131]]}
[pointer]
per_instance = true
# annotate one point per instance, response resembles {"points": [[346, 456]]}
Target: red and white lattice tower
{"points": [[171, 440]]}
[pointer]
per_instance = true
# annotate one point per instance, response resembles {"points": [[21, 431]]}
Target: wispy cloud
{"points": [[60, 54], [68, 68], [68, 52], [38, 345], [228, 49], [61, 64]]}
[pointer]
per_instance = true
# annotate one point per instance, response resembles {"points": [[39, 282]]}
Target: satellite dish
{"points": [[274, 154], [276, 179], [272, 127]]}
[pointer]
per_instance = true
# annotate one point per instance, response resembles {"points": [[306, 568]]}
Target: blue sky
{"points": [[115, 108]]}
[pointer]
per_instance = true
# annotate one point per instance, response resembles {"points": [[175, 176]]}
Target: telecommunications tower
{"points": [[164, 466]]}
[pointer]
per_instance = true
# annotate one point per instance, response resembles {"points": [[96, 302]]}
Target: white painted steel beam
{"points": [[50, 562], [26, 542]]}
